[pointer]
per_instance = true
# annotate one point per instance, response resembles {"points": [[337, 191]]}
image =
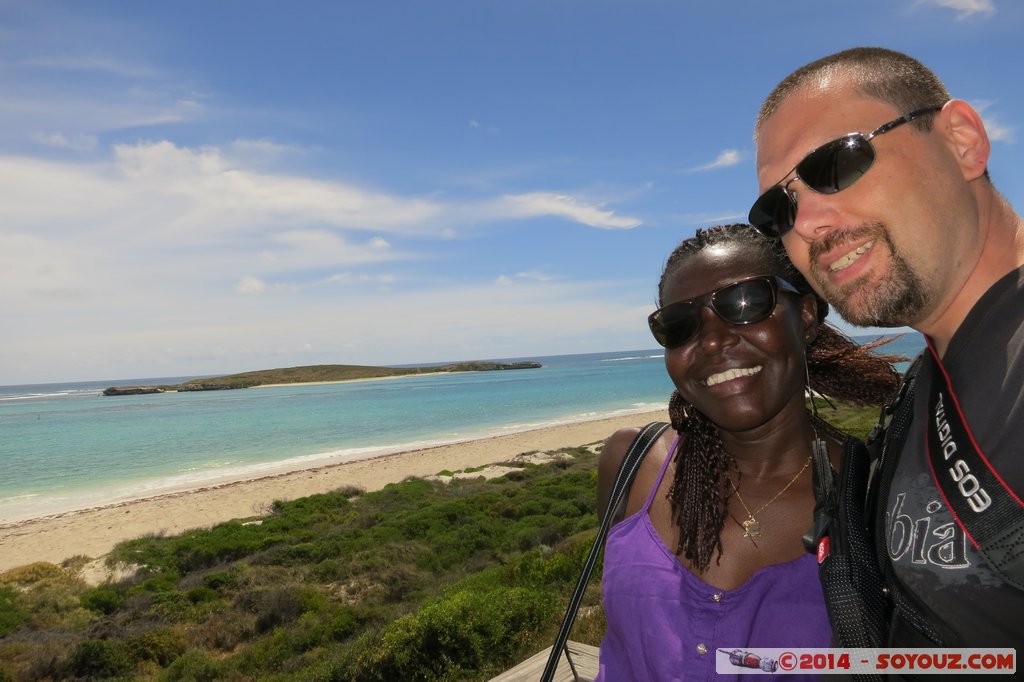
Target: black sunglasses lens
{"points": [[745, 302], [741, 303], [773, 213], [835, 166], [830, 168], [676, 324]]}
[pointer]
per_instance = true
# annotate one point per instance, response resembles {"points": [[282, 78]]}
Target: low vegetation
{"points": [[422, 580], [316, 373]]}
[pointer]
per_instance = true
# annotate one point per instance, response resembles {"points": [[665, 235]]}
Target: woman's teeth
{"points": [[730, 374]]}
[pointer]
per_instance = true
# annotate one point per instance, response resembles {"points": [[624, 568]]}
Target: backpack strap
{"points": [[630, 464], [983, 505]]}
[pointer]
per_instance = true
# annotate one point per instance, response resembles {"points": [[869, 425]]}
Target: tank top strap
{"points": [[661, 474]]}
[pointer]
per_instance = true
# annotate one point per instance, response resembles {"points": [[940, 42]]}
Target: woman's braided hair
{"points": [[837, 367]]}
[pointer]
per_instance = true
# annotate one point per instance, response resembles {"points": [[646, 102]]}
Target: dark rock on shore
{"points": [[131, 390]]}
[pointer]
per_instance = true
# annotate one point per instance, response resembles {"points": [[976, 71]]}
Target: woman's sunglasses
{"points": [[744, 302], [830, 168]]}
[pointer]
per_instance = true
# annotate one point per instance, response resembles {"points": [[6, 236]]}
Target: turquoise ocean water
{"points": [[64, 446]]}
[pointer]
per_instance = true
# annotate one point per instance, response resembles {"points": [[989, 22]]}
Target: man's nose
{"points": [[816, 214]]}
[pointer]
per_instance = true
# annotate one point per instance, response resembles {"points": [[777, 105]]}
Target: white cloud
{"points": [[91, 63], [537, 204], [964, 8], [729, 157], [202, 237], [250, 285], [705, 219], [184, 196], [349, 278], [91, 112], [206, 188], [79, 142], [252, 152], [528, 276], [489, 128], [996, 131], [999, 132]]}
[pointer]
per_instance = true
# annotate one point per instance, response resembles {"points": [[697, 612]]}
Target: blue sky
{"points": [[204, 187]]}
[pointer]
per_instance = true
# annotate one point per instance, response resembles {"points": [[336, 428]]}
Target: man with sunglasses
{"points": [[876, 182]]}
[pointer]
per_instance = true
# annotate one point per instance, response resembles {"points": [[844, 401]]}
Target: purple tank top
{"points": [[665, 623]]}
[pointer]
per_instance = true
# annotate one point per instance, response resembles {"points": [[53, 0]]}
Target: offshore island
{"points": [[316, 374]]}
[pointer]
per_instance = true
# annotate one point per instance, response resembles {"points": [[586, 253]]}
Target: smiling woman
{"points": [[709, 540]]}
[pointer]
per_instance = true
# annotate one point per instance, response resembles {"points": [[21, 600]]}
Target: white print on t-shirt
{"points": [[944, 546]]}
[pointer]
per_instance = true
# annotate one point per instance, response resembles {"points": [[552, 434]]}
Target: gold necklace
{"points": [[752, 527]]}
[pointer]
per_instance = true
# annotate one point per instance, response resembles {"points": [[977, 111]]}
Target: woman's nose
{"points": [[715, 333]]}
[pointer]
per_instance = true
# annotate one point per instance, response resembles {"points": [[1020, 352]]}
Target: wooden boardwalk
{"points": [[584, 659]]}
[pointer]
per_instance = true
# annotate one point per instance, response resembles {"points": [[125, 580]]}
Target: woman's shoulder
{"points": [[614, 452], [616, 445]]}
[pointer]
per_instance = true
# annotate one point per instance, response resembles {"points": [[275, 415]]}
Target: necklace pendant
{"points": [[751, 528]]}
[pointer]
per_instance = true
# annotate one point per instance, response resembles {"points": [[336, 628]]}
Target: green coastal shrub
{"points": [[103, 599], [101, 658], [195, 666], [11, 616], [160, 645], [452, 638]]}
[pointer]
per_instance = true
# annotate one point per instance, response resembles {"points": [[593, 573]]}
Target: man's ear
{"points": [[809, 317], [965, 132]]}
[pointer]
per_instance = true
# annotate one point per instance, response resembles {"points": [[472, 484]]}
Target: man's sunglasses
{"points": [[830, 168], [744, 302]]}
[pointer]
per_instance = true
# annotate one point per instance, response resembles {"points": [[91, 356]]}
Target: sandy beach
{"points": [[94, 532]]}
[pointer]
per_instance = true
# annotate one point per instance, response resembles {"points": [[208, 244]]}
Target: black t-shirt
{"points": [[932, 556]]}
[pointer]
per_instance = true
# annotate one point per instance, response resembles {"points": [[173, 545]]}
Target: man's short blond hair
{"points": [[874, 72]]}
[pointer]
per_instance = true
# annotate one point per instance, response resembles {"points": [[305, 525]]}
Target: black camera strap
{"points": [[983, 505], [884, 444]]}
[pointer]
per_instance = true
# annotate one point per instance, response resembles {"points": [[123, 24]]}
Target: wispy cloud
{"points": [[79, 90], [706, 219], [535, 204], [91, 63], [529, 276], [996, 130], [200, 217], [964, 8], [488, 128], [999, 132], [249, 285], [79, 143], [729, 157]]}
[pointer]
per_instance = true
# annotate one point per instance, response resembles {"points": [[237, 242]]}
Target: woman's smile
{"points": [[732, 374]]}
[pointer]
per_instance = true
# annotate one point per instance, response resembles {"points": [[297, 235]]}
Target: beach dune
{"points": [[94, 532]]}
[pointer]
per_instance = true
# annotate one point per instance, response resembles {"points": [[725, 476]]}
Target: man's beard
{"points": [[896, 299]]}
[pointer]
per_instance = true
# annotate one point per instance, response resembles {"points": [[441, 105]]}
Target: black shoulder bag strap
{"points": [[635, 453], [850, 579], [988, 511]]}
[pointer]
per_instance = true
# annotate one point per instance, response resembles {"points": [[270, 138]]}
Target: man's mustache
{"points": [[836, 238]]}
